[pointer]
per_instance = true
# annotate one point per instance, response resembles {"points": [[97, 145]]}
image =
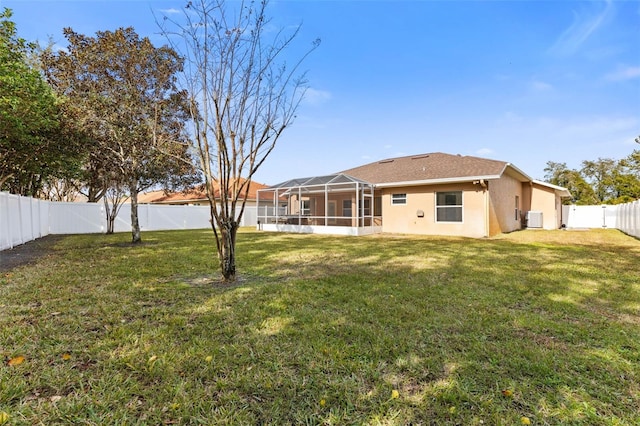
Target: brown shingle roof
{"points": [[194, 194], [425, 167]]}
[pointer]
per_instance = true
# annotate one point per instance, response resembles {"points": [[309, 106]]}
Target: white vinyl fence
{"points": [[603, 216], [23, 219], [625, 217], [629, 218]]}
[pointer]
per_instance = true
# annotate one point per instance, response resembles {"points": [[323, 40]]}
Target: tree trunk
{"points": [[135, 225], [93, 195], [110, 224], [110, 214], [227, 249]]}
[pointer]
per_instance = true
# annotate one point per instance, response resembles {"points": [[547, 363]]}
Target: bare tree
{"points": [[60, 189], [242, 97]]}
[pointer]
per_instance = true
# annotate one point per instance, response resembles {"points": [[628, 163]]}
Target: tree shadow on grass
{"points": [[27, 253]]}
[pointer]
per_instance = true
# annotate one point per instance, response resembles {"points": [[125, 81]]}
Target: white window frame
{"points": [[399, 199], [305, 211], [450, 206]]}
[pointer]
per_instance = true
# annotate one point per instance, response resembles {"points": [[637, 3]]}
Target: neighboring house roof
{"points": [[432, 168], [191, 195]]}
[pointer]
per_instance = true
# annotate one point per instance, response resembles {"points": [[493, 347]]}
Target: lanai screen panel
{"points": [[322, 186]]}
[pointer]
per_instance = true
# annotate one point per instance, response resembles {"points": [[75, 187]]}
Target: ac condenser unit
{"points": [[534, 219]]}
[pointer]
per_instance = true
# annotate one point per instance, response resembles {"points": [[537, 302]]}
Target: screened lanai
{"points": [[333, 204]]}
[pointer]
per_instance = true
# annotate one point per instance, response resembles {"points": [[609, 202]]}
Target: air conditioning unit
{"points": [[534, 219]]}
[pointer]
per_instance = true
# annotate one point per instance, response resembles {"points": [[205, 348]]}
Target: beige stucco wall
{"points": [[526, 195], [502, 193], [545, 200], [294, 204], [318, 206], [404, 218]]}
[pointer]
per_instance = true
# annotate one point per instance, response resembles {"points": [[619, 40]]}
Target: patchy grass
{"points": [[381, 330]]}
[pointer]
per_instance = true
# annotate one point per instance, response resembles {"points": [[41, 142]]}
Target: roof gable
{"points": [[428, 167]]}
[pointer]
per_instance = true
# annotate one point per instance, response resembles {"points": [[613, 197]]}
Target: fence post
{"points": [[5, 220], [35, 212], [21, 220]]}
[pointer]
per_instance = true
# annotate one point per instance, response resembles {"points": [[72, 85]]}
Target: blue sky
{"points": [[520, 81]]}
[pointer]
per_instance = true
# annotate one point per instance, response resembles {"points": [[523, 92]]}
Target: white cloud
{"points": [[316, 97], [540, 86], [484, 151], [599, 126], [624, 73], [388, 146], [171, 11], [584, 25]]}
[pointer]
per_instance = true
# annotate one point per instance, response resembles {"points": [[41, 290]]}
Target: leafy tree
{"points": [[601, 175], [627, 179], [602, 181], [581, 191], [31, 143], [242, 97], [121, 91]]}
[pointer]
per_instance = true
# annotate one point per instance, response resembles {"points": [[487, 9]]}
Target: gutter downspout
{"points": [[485, 192], [486, 209]]}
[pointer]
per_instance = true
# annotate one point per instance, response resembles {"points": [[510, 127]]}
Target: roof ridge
{"points": [[424, 155]]}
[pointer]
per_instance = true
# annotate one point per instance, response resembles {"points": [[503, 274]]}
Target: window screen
{"points": [[398, 198], [449, 206], [346, 208]]}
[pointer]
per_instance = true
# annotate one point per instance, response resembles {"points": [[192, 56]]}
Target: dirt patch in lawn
{"points": [[28, 252]]}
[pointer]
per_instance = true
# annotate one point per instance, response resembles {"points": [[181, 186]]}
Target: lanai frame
{"points": [[319, 192]]}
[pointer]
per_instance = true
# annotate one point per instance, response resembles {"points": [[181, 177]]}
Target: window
{"points": [[346, 208], [517, 208], [449, 206], [305, 207], [398, 199]]}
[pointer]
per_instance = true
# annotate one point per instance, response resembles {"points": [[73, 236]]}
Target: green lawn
{"points": [[385, 330]]}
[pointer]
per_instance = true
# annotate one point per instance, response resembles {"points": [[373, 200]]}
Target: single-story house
{"points": [[430, 194]]}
